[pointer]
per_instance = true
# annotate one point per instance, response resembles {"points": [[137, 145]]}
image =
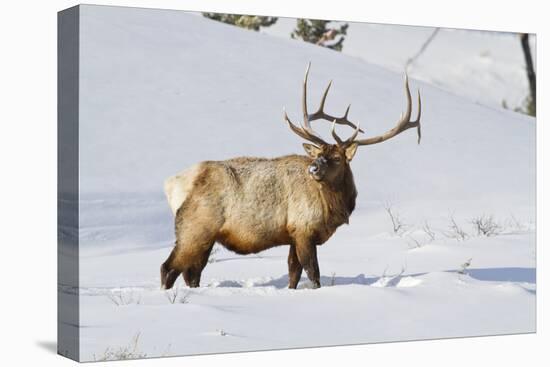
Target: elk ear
{"points": [[350, 151], [311, 150]]}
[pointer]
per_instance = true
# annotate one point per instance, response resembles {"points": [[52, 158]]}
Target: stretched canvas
{"points": [[215, 196]]}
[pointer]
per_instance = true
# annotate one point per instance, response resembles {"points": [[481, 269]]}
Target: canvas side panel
{"points": [[67, 183]]}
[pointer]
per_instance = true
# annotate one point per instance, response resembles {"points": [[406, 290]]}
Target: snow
{"points": [[163, 90], [483, 66]]}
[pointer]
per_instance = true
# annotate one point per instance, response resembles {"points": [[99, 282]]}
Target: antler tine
{"points": [[351, 139], [348, 141], [306, 131], [418, 130], [404, 122], [324, 98], [405, 119], [334, 135], [306, 126], [347, 111], [304, 98], [303, 133], [320, 113]]}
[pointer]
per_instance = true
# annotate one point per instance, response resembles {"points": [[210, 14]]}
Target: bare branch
{"points": [[485, 225], [174, 296], [423, 48], [455, 231], [397, 224], [121, 298], [429, 232], [416, 243]]}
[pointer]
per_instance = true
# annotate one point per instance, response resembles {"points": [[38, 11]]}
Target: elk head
{"points": [[330, 161]]}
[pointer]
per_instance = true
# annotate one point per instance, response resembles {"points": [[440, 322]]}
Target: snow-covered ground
{"points": [[161, 90]]}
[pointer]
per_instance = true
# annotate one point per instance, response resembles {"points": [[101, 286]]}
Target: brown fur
{"points": [[252, 204]]}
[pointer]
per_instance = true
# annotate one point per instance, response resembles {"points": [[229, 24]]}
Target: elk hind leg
{"points": [[195, 259], [168, 275], [188, 257], [197, 223]]}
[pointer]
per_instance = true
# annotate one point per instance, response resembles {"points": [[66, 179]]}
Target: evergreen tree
{"points": [[253, 22], [316, 31]]}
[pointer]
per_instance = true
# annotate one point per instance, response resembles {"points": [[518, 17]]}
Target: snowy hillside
{"points": [[161, 90], [485, 67]]}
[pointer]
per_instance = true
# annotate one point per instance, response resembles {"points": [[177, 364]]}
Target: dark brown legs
{"points": [[194, 243], [194, 264], [308, 258], [195, 237], [303, 255], [294, 268], [188, 263], [168, 275]]}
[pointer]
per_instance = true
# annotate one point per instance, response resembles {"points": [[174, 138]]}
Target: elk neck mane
{"points": [[338, 198]]}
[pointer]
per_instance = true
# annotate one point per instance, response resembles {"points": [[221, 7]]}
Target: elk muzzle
{"points": [[318, 168]]}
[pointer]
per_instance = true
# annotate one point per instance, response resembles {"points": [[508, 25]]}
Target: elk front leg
{"points": [[307, 255], [294, 268]]}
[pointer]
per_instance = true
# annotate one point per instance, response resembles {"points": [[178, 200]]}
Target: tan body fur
{"points": [[252, 204]]}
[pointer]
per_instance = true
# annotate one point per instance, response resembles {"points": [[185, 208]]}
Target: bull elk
{"points": [[252, 204]]}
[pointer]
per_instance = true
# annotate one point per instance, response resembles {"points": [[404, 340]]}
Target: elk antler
{"points": [[320, 113], [348, 141], [403, 124], [305, 130]]}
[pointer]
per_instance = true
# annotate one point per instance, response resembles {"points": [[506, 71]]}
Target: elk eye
{"points": [[336, 160]]}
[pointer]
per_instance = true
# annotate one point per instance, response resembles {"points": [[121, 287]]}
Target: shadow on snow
{"points": [[516, 275]]}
